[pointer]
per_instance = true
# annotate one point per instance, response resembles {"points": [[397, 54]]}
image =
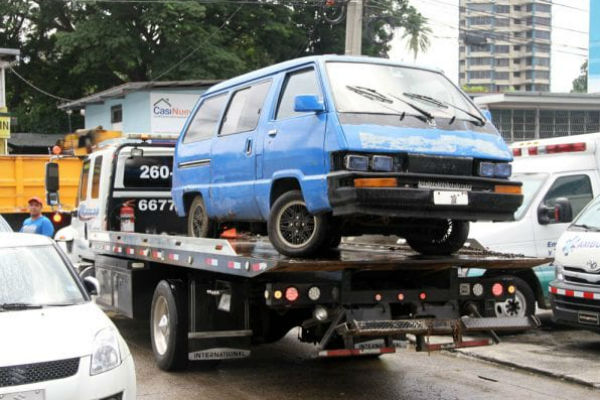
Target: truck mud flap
{"points": [[218, 345]]}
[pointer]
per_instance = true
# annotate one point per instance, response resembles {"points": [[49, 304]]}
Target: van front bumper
{"points": [[575, 305], [409, 200]]}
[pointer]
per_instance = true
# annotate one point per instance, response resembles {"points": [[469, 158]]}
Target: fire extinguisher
{"points": [[127, 217]]}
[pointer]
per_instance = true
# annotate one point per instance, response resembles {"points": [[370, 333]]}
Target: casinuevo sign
{"points": [[4, 123], [168, 111]]}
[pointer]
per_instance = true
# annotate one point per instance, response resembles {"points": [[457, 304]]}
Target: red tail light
{"points": [[291, 294], [516, 152], [497, 289]]}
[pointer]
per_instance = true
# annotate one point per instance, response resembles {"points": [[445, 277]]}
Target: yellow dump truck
{"points": [[22, 176]]}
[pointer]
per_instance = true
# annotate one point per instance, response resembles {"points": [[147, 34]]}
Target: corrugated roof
{"points": [[122, 90]]}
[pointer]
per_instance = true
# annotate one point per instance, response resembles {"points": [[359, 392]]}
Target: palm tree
{"points": [[416, 31]]}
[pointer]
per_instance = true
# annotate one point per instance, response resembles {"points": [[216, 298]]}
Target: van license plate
{"points": [[29, 395], [447, 197], [588, 318]]}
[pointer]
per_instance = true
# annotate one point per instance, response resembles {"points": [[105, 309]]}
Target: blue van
{"points": [[325, 146]]}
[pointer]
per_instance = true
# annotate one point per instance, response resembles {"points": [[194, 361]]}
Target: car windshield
{"points": [[531, 185], [389, 89], [4, 226], [589, 218], [36, 275]]}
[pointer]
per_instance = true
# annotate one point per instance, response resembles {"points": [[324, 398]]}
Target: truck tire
{"points": [[168, 325], [198, 223], [522, 305], [446, 238], [293, 230]]}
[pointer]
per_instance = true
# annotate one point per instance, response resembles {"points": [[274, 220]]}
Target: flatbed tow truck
{"points": [[212, 299]]}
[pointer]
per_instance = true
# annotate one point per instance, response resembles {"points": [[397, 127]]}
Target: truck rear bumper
{"points": [[408, 199], [575, 305]]}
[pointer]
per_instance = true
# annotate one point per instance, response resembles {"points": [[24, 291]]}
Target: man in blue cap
{"points": [[37, 223]]}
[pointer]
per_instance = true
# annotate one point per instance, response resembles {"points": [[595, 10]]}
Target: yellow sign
{"points": [[4, 123]]}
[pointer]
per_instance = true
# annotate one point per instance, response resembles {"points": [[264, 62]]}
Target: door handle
{"points": [[272, 132], [249, 146]]}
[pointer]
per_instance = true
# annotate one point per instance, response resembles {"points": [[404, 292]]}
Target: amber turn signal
{"points": [[375, 182], [507, 189]]}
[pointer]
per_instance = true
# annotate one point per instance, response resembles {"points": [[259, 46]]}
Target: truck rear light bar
{"points": [[551, 149]]}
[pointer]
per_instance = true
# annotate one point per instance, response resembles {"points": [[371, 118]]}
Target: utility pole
{"points": [[6, 57], [354, 21]]}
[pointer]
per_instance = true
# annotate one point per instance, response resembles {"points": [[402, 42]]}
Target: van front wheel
{"points": [[293, 230]]}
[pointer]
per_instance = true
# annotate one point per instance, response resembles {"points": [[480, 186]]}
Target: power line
{"points": [[37, 88], [563, 5]]}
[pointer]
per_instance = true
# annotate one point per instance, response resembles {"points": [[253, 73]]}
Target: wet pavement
{"points": [[286, 370]]}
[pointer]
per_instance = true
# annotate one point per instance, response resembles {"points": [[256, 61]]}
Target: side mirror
{"points": [[559, 213], [563, 212], [91, 285], [52, 184], [52, 177], [308, 103]]}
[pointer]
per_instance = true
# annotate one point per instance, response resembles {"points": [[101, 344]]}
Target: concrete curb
{"points": [[458, 353]]}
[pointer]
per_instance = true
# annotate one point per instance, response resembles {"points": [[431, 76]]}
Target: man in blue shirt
{"points": [[37, 223]]}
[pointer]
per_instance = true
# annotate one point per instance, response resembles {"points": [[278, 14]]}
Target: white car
{"points": [[55, 343]]}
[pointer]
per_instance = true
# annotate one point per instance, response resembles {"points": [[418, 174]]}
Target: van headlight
{"points": [[356, 162], [105, 351]]}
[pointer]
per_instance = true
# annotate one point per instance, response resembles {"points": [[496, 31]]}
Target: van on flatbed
{"points": [[213, 299]]}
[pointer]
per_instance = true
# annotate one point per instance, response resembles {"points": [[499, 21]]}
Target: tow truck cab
{"points": [[124, 176]]}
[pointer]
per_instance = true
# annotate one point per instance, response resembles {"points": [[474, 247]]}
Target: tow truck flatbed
{"points": [[251, 257]]}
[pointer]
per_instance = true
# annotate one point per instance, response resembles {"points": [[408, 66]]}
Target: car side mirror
{"points": [[559, 213], [308, 103], [91, 285]]}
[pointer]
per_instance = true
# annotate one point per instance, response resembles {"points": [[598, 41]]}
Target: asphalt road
{"points": [[286, 370]]}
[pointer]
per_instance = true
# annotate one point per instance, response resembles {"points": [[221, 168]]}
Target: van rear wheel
{"points": [[198, 223], [293, 230], [441, 238]]}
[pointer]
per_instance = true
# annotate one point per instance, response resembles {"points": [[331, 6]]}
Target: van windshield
{"points": [[589, 218], [390, 89], [531, 185]]}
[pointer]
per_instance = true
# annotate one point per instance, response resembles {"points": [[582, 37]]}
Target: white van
{"points": [[575, 294], [557, 174]]}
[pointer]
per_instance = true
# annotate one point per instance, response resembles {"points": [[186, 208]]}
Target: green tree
{"points": [[75, 48], [580, 83]]}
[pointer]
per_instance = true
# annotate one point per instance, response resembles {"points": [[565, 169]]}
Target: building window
{"points": [[479, 47], [501, 75], [116, 114], [479, 74], [516, 48], [502, 9], [502, 22], [516, 74], [517, 87], [502, 62], [516, 61], [517, 21], [480, 20], [517, 8], [501, 49]]}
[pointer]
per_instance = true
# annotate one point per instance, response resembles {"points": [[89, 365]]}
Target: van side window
{"points": [[83, 185], [244, 109], [297, 83], [576, 188], [96, 177], [205, 120]]}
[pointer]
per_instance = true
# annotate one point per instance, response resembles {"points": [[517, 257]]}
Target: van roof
{"points": [[270, 70], [587, 138]]}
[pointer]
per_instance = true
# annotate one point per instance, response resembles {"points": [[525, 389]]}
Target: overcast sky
{"points": [[570, 24]]}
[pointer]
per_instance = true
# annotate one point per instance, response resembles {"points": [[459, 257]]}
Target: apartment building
{"points": [[505, 45]]}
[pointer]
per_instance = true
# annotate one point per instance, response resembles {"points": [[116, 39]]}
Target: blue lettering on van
{"points": [[578, 243], [85, 214]]}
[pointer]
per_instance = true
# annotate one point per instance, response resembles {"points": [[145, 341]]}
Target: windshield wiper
{"points": [[444, 104], [18, 306], [374, 95], [587, 227]]}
